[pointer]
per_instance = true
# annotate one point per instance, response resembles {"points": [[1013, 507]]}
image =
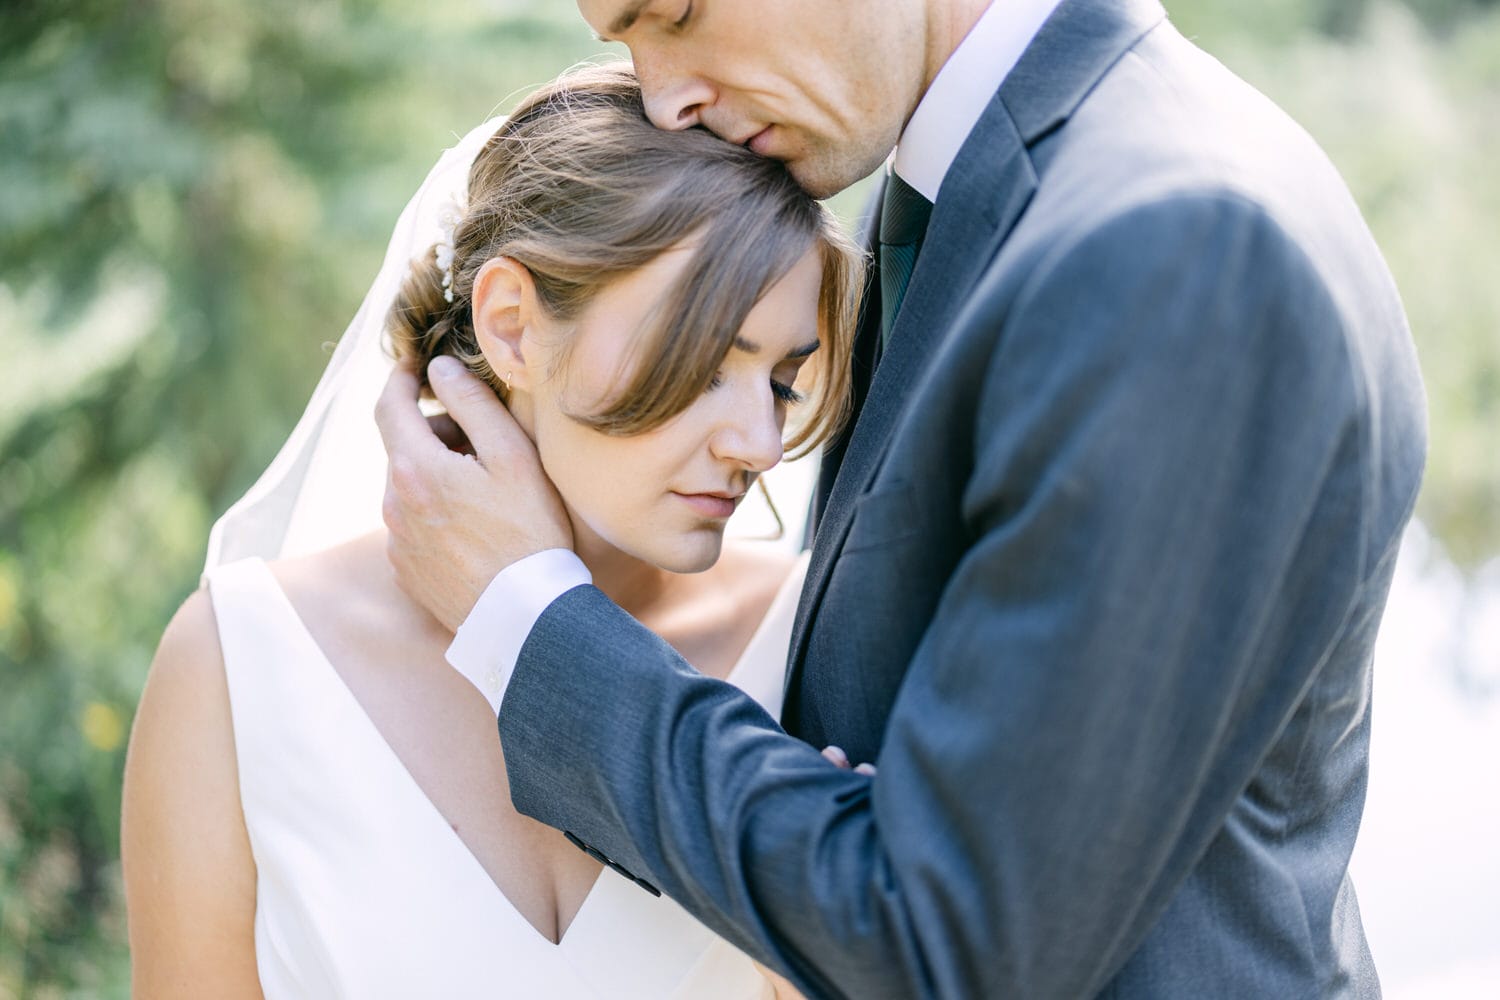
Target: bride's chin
{"points": [[692, 555]]}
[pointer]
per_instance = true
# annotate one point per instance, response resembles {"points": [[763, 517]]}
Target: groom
{"points": [[1098, 568]]}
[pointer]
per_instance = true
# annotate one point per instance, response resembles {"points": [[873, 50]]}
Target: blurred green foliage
{"points": [[193, 197], [194, 194], [1406, 100]]}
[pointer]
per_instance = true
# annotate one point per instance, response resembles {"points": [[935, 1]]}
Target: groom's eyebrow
{"points": [[750, 347]]}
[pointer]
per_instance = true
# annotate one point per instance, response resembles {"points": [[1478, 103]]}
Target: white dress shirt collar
{"points": [[959, 94]]}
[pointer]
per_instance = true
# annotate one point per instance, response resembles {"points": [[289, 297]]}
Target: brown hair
{"points": [[581, 189]]}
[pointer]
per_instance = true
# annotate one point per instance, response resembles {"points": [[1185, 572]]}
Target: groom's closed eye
{"points": [[627, 18]]}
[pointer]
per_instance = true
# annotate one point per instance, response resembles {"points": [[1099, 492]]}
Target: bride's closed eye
{"points": [[784, 393]]}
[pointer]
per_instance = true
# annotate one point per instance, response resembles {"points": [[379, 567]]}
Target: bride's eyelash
{"points": [[682, 21], [783, 392], [786, 393]]}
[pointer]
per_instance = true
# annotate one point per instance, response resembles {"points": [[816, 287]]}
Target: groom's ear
{"points": [[504, 305]]}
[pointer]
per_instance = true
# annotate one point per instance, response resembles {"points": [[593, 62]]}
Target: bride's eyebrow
{"points": [[749, 347]]}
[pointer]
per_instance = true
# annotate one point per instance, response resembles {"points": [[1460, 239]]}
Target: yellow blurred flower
{"points": [[10, 596], [102, 726]]}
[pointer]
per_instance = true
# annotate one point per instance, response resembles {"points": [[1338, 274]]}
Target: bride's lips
{"points": [[712, 505]]}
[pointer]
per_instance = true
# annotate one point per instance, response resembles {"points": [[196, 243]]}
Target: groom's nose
{"points": [[675, 102]]}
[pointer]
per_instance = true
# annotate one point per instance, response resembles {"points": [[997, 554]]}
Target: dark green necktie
{"points": [[903, 223]]}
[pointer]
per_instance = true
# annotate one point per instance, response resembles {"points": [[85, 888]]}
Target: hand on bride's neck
{"points": [[632, 583]]}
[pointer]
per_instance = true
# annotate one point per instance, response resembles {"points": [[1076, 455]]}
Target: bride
{"points": [[310, 804]]}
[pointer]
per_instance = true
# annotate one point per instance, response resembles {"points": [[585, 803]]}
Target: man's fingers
{"points": [[402, 426], [838, 758], [474, 407]]}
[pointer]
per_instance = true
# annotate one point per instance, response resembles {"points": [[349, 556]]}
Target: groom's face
{"points": [[825, 87]]}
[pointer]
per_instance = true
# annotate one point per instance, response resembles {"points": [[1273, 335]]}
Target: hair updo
{"points": [[581, 189]]}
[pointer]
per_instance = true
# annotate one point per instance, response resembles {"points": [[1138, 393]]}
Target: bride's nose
{"points": [[749, 433]]}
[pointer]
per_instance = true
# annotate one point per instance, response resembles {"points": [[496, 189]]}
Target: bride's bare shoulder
{"points": [[192, 636], [190, 653], [186, 678], [188, 668], [189, 874]]}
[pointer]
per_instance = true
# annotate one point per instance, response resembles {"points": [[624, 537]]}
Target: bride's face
{"points": [[663, 496]]}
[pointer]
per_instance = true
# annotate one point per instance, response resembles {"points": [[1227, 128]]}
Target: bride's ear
{"points": [[504, 305]]}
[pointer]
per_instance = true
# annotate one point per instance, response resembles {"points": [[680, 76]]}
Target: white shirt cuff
{"points": [[487, 645]]}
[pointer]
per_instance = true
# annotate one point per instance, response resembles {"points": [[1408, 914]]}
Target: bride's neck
{"points": [[634, 585], [631, 583]]}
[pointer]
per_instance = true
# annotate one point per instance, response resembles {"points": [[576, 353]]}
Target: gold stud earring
{"points": [[506, 380]]}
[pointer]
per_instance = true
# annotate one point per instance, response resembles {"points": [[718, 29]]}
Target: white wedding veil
{"points": [[326, 483]]}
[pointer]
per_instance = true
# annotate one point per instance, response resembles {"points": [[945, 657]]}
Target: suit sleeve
{"points": [[1166, 507]]}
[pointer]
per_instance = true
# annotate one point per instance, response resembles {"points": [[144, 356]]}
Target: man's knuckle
{"points": [[407, 481], [390, 511]]}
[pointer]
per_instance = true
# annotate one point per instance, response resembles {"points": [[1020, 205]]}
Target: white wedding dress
{"points": [[362, 888]]}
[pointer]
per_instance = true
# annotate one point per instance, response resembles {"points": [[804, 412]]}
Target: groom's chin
{"points": [[823, 174]]}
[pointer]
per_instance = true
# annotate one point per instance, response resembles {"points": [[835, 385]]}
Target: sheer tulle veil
{"points": [[325, 484]]}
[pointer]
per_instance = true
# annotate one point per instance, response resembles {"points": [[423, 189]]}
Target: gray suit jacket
{"points": [[1095, 584]]}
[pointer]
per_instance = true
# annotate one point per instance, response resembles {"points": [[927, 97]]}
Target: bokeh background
{"points": [[194, 194]]}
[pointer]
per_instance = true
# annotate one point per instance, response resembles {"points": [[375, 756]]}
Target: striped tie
{"points": [[903, 223]]}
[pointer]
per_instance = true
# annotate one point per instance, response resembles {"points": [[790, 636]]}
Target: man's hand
{"points": [[836, 756], [457, 519]]}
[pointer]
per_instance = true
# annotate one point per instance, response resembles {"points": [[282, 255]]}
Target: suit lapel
{"points": [[982, 198], [977, 205]]}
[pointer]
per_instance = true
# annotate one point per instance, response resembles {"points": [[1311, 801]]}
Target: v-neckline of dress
{"points": [[415, 788]]}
